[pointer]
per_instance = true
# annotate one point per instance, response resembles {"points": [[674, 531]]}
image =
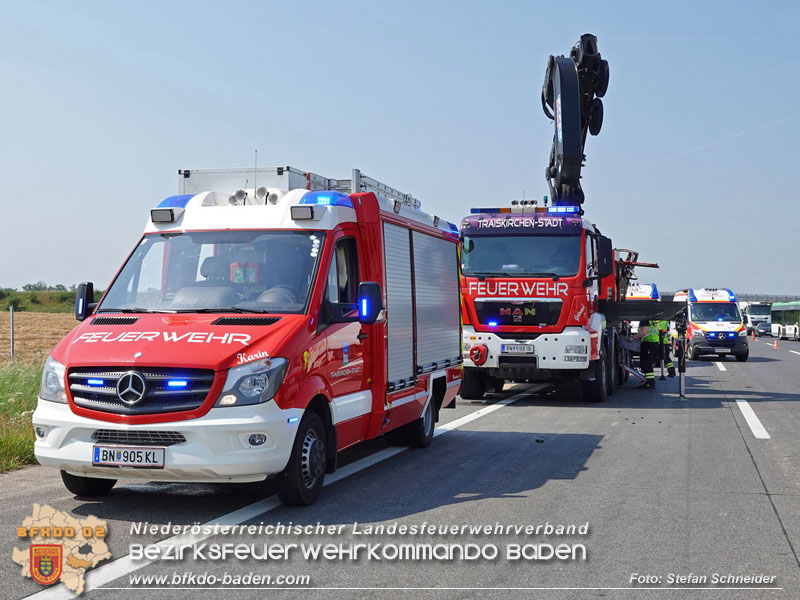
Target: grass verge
{"points": [[19, 387]]}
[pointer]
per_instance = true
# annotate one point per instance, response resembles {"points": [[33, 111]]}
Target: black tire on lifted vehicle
{"points": [[87, 486], [473, 384], [596, 390], [300, 483]]}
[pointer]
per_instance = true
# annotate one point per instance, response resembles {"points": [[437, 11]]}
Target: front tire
{"points": [[596, 390], [743, 356], [300, 483], [87, 486]]}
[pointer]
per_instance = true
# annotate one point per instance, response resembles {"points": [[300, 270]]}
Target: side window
{"points": [[590, 256], [343, 277]]}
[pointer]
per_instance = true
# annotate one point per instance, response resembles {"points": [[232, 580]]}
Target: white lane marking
{"points": [[794, 351], [108, 572], [752, 420], [720, 366]]}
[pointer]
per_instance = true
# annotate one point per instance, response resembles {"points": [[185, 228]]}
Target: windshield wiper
{"points": [[484, 274], [221, 309], [134, 310]]}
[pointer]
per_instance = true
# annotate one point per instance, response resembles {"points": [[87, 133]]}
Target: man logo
{"points": [[46, 562], [131, 388]]}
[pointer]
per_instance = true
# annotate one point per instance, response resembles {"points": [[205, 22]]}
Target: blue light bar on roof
{"points": [[176, 201], [562, 209], [327, 199], [692, 297], [478, 211], [654, 292]]}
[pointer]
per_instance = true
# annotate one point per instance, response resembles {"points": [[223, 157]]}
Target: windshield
{"points": [[716, 311], [521, 256], [224, 271], [758, 309]]}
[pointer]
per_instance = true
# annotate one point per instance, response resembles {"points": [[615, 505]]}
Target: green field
{"points": [[19, 386], [53, 302]]}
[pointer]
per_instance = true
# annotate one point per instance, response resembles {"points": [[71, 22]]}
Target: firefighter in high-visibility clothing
{"points": [[663, 330], [648, 352]]}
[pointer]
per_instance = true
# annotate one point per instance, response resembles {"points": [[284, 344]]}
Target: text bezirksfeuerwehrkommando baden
{"points": [[393, 528]]}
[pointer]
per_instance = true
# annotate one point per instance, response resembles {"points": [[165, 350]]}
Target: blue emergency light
{"points": [[492, 323], [95, 382], [562, 209], [176, 201], [327, 199], [177, 383], [364, 307]]}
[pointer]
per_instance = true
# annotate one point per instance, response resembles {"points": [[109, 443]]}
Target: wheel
{"points": [[596, 390], [690, 353], [743, 356], [300, 483], [473, 384], [611, 365], [417, 434], [87, 486], [497, 385], [596, 116]]}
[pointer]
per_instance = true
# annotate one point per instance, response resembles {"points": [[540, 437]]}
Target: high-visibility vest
{"points": [[652, 332], [664, 326]]}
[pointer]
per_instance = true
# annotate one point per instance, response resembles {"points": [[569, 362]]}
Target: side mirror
{"points": [[370, 302], [84, 300], [605, 257]]}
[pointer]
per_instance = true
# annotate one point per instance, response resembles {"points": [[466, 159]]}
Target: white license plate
{"points": [[517, 348], [137, 457], [721, 350]]}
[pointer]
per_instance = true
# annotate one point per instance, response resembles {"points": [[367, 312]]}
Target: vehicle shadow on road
{"points": [[463, 466]]}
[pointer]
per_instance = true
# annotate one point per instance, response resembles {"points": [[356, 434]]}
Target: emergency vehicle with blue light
{"points": [[543, 290], [715, 324], [256, 332]]}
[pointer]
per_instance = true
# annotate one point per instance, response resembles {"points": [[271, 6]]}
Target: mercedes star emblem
{"points": [[131, 388]]}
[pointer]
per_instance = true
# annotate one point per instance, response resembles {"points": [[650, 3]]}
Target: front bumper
{"points": [[737, 345], [549, 352], [216, 447]]}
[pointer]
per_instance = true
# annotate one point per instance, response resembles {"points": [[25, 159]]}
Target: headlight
{"points": [[52, 388], [576, 349], [697, 332], [253, 383], [743, 332]]}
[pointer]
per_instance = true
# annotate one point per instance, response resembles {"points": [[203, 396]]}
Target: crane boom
{"points": [[571, 96]]}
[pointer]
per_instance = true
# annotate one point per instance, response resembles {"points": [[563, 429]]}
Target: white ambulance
{"points": [[715, 323]]}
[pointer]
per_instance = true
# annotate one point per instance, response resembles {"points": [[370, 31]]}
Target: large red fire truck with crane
{"points": [[543, 290]]}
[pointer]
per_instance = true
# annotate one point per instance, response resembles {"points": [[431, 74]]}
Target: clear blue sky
{"points": [[695, 167]]}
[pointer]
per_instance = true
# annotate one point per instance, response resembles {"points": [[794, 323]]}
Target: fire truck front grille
{"points": [[138, 438], [517, 312], [139, 391]]}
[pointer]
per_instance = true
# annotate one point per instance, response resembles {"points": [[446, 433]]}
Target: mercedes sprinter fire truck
{"points": [[256, 332]]}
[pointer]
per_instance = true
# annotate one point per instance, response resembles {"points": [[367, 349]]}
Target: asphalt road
{"points": [[666, 487]]}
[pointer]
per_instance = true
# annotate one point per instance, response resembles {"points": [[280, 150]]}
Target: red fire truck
{"points": [[256, 332], [543, 291]]}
